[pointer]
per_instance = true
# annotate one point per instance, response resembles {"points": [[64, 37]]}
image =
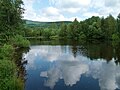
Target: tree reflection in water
{"points": [[69, 62]]}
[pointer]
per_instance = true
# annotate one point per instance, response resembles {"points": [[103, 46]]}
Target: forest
{"points": [[94, 28], [14, 32]]}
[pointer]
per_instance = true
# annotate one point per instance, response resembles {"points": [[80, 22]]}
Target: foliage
{"points": [[47, 33], [91, 28], [110, 26], [82, 36], [73, 30], [8, 78], [11, 23], [20, 41], [63, 31], [115, 37], [6, 52], [7, 68], [10, 16]]}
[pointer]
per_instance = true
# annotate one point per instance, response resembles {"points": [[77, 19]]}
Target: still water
{"points": [[72, 67]]}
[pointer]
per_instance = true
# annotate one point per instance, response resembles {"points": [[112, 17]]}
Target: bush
{"points": [[8, 77], [20, 41], [82, 36], [6, 52], [7, 69], [115, 37], [12, 83]]}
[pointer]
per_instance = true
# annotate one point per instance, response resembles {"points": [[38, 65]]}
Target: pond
{"points": [[72, 66]]}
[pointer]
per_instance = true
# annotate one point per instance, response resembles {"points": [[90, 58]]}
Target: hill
{"points": [[30, 23]]}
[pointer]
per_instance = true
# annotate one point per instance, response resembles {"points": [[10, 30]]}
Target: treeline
{"points": [[11, 26], [93, 28]]}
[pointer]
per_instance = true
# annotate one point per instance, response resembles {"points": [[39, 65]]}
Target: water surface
{"points": [[72, 67]]}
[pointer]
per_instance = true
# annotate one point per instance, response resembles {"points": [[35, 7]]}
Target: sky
{"points": [[68, 10]]}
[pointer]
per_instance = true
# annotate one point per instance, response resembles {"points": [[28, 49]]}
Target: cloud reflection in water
{"points": [[70, 68]]}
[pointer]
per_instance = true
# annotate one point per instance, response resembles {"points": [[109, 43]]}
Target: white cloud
{"points": [[71, 10], [61, 10], [29, 11], [70, 3], [112, 3], [71, 6], [106, 7], [50, 11], [90, 14]]}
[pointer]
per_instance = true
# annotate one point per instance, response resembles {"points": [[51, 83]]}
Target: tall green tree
{"points": [[63, 31], [10, 16], [103, 26], [110, 26], [74, 29], [53, 26], [93, 30]]}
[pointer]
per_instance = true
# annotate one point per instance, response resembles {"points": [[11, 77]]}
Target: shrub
{"points": [[12, 83], [7, 70], [82, 36], [115, 37], [20, 41], [6, 52], [8, 77]]}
